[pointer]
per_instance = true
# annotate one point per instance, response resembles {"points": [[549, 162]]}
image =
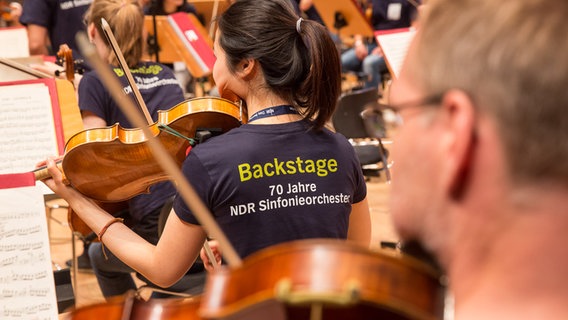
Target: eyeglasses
{"points": [[395, 109]]}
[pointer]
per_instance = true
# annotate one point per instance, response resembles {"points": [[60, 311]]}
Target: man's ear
{"points": [[91, 29], [459, 141], [246, 68]]}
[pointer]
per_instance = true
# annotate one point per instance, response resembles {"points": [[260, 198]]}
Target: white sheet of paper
{"points": [[395, 46], [27, 288], [27, 129], [14, 42]]}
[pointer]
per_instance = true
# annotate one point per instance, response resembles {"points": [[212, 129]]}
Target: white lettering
{"points": [[191, 35], [66, 5], [301, 187], [241, 209]]}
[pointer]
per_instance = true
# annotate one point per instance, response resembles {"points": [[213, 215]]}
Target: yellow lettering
{"points": [[267, 171], [332, 165], [299, 165], [257, 171], [291, 167], [310, 166], [320, 167], [244, 172]]}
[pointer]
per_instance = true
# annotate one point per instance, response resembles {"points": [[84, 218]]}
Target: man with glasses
{"points": [[480, 175]]}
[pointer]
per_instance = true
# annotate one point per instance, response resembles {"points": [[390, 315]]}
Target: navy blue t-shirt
{"points": [[267, 184], [160, 90], [392, 14], [312, 13], [62, 19], [185, 7]]}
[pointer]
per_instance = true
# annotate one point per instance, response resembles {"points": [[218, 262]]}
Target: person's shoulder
{"points": [[37, 12], [187, 7], [89, 78]]}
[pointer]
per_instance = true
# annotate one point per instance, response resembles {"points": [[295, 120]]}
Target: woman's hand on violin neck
{"points": [[57, 183]]}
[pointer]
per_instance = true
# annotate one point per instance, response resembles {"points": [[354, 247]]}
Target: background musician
{"points": [[51, 23], [164, 8], [366, 56], [307, 9], [480, 178], [160, 91], [287, 72]]}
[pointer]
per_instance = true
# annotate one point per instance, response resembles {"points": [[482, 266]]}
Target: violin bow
{"points": [[161, 155], [124, 66]]}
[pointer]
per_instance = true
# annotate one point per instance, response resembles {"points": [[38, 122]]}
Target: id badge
{"points": [[394, 11]]}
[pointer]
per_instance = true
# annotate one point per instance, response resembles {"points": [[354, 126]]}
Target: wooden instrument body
{"points": [[114, 164], [350, 282], [124, 307]]}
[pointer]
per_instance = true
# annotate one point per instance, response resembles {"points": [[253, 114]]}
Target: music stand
{"points": [[345, 17], [171, 47], [16, 69]]}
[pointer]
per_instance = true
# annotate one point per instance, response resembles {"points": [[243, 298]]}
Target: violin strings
{"points": [[172, 131]]}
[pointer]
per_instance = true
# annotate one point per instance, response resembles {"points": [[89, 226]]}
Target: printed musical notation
{"points": [[27, 133], [27, 288]]}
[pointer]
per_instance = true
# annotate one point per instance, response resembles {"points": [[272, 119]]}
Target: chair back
{"points": [[347, 118]]}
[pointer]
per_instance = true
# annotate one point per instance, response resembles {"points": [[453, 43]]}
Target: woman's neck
{"points": [[256, 104]]}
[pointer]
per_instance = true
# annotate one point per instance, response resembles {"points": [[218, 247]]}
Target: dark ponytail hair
{"points": [[302, 67]]}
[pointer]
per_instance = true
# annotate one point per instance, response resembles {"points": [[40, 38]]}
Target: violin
{"points": [[333, 279], [114, 164], [119, 161]]}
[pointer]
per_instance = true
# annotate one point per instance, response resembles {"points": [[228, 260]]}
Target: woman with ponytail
{"points": [[280, 177]]}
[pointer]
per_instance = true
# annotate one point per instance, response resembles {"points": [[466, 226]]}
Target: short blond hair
{"points": [[511, 57], [126, 20]]}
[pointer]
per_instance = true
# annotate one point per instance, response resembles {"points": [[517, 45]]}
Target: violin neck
{"points": [[41, 173]]}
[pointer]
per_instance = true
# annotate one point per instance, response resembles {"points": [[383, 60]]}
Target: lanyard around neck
{"points": [[272, 112]]}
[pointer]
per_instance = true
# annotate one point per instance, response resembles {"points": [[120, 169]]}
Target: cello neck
{"points": [[114, 45]]}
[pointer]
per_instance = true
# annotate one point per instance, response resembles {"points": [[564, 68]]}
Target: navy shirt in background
{"points": [[62, 19]]}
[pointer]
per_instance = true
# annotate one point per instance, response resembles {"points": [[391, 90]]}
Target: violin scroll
{"points": [[70, 66]]}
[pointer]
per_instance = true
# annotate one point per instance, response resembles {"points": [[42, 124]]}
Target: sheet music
{"points": [[27, 129], [15, 42], [27, 288], [394, 46]]}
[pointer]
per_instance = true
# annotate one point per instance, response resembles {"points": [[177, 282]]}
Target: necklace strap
{"points": [[272, 112]]}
